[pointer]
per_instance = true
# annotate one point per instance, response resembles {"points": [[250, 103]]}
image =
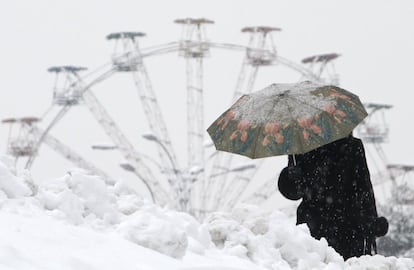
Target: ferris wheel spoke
{"points": [[39, 141], [129, 58], [300, 69], [228, 46], [155, 120], [125, 147], [195, 112], [260, 51], [245, 84], [238, 185], [66, 152], [263, 193], [160, 49], [214, 189], [194, 46]]}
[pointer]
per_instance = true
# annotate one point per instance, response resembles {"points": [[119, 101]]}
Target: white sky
{"points": [[375, 37]]}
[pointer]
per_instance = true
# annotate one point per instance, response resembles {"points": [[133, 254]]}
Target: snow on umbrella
{"points": [[287, 119]]}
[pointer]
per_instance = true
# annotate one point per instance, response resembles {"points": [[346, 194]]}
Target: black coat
{"points": [[338, 199]]}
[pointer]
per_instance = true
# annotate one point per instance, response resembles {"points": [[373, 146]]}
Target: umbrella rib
{"points": [[301, 101], [255, 142], [319, 109], [261, 128], [295, 123]]}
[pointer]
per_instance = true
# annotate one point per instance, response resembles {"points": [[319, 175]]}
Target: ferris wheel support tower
{"points": [[194, 47], [374, 132], [260, 51], [70, 155], [127, 57]]}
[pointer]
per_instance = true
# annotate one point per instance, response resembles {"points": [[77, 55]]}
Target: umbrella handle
{"points": [[294, 159]]}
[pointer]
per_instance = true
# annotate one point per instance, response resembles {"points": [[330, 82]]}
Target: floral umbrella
{"points": [[287, 119]]}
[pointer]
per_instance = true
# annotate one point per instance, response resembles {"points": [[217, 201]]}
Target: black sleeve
{"points": [[365, 199], [288, 186]]}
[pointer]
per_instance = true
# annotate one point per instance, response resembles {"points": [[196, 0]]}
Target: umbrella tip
{"points": [[284, 93]]}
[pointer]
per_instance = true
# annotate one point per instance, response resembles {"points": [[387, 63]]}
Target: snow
{"points": [[45, 243], [270, 240], [80, 222], [10, 185], [379, 262], [277, 99]]}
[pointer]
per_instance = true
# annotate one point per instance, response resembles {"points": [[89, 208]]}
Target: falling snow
{"points": [[277, 99]]}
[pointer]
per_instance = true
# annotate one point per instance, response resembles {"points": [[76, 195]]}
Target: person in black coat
{"points": [[338, 201]]}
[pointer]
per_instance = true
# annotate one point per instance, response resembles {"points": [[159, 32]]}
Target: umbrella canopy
{"points": [[287, 119]]}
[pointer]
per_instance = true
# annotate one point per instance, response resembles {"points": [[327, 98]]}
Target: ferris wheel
{"points": [[209, 181]]}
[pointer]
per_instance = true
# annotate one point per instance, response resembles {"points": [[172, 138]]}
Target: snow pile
{"points": [[10, 185], [83, 199], [272, 241], [409, 253], [41, 242], [78, 198], [399, 209], [165, 231], [379, 262], [77, 220]]}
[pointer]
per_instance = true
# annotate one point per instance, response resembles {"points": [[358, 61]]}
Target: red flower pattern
{"points": [[338, 115], [241, 130], [307, 125], [272, 130], [224, 121]]}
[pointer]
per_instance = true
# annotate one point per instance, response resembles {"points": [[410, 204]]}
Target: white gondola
{"points": [[374, 129], [21, 141], [67, 90]]}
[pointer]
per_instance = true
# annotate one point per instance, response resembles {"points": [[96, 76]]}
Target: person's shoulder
{"points": [[354, 140], [356, 144], [349, 140]]}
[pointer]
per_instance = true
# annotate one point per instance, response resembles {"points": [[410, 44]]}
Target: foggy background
{"points": [[375, 39]]}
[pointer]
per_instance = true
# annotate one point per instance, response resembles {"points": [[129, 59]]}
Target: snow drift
{"points": [[80, 222]]}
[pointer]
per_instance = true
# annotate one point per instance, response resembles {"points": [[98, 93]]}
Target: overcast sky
{"points": [[374, 37]]}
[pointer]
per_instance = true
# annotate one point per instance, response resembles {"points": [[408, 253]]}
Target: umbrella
{"points": [[285, 119]]}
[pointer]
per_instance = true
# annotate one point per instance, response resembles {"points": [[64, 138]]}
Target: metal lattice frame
{"points": [[65, 108], [66, 152], [128, 58], [261, 51], [374, 132], [194, 46], [127, 149]]}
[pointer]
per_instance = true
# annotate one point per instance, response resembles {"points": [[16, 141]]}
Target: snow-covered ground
{"points": [[80, 222]]}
